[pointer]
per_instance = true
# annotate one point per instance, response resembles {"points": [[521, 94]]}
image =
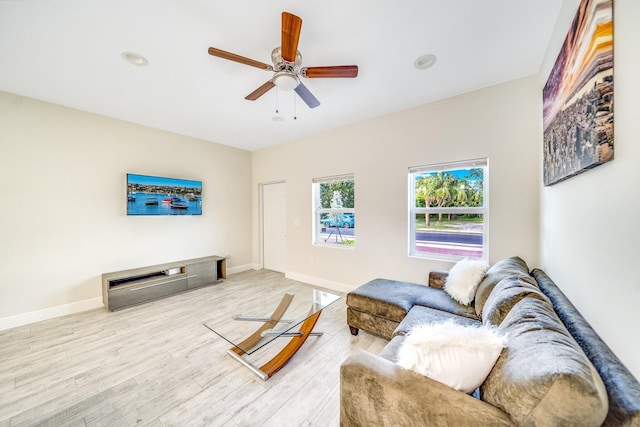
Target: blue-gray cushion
{"points": [[506, 294], [420, 314], [507, 267], [543, 377], [393, 299]]}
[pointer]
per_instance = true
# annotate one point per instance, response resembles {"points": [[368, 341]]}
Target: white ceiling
{"points": [[69, 52]]}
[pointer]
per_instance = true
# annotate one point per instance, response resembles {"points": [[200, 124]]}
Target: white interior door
{"points": [[274, 228]]}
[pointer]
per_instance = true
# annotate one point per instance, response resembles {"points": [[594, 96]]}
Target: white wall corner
{"points": [[241, 268], [50, 313]]}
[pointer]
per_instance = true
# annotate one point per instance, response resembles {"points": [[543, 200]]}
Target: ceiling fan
{"points": [[286, 64]]}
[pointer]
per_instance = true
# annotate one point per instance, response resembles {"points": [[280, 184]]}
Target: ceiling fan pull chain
{"points": [[295, 109], [276, 100]]}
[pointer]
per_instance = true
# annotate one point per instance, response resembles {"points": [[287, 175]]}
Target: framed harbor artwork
{"points": [[578, 96], [154, 195]]}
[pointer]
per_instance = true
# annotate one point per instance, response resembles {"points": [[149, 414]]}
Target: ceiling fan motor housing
{"points": [[279, 63]]}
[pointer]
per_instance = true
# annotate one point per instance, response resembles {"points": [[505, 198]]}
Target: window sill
{"points": [[441, 257], [335, 245]]}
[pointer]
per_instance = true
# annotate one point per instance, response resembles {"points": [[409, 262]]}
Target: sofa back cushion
{"points": [[543, 377], [507, 293], [506, 267]]}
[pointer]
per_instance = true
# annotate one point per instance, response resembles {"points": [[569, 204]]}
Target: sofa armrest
{"points": [[437, 278], [375, 391]]}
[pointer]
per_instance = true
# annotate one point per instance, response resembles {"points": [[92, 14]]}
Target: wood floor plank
{"points": [[92, 407], [288, 383], [329, 411], [27, 399], [307, 400], [207, 407], [157, 365], [12, 367], [147, 414]]}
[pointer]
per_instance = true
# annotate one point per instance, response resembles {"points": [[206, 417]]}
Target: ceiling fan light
{"points": [[285, 80]]}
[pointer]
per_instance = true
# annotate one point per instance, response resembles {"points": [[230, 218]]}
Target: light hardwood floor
{"points": [[157, 365]]}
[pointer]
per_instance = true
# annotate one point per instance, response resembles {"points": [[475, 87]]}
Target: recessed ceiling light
{"points": [[134, 58], [425, 61]]}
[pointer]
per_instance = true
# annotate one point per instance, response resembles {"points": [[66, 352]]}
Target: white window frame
{"points": [[317, 211], [484, 210]]}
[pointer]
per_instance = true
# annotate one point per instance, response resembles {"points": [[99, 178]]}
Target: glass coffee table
{"points": [[266, 315]]}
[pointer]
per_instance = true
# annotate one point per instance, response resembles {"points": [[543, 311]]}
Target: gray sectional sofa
{"points": [[554, 371]]}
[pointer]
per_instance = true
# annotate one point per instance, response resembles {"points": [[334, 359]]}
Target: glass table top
{"points": [[257, 317]]}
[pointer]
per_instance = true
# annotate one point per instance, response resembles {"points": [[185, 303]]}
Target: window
{"points": [[448, 214], [334, 211]]}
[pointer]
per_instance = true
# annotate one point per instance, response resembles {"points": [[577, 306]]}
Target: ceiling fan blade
{"points": [[237, 58], [291, 25], [260, 91], [335, 71], [307, 96]]}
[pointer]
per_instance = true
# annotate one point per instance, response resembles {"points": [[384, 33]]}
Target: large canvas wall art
{"points": [[154, 195], [578, 96]]}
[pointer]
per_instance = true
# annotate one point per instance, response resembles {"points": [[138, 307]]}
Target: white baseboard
{"points": [[241, 268], [93, 303], [50, 313], [316, 281]]}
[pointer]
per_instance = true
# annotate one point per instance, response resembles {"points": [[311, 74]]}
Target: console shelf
{"points": [[121, 289]]}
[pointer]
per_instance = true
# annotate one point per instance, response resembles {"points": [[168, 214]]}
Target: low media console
{"points": [[125, 288]]}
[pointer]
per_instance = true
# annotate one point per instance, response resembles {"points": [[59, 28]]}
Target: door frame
{"points": [[261, 219]]}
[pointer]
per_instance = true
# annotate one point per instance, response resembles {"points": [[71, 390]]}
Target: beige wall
{"points": [[501, 123], [63, 218], [589, 229]]}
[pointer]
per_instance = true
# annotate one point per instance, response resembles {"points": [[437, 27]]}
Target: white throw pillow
{"points": [[460, 356], [464, 278]]}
